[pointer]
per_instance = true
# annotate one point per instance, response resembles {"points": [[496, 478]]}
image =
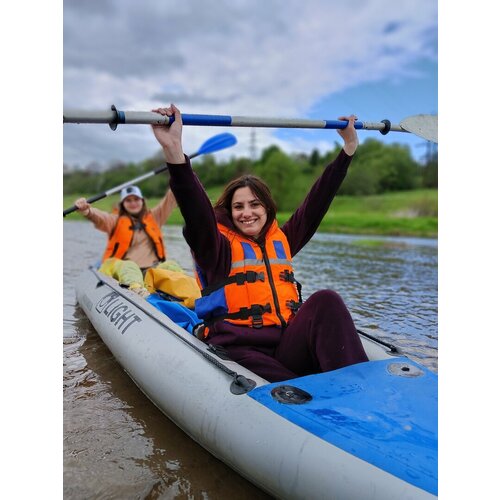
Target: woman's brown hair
{"points": [[259, 189]]}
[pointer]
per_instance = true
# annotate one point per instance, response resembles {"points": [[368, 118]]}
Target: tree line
{"points": [[376, 168]]}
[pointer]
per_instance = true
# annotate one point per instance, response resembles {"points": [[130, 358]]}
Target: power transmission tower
{"points": [[253, 145]]}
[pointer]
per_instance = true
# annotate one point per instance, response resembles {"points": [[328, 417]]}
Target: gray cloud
{"points": [[246, 57], [183, 98]]}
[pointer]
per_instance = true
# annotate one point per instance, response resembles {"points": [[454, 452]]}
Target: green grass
{"points": [[405, 213]]}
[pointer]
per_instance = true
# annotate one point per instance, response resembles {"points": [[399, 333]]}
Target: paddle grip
{"points": [[90, 200], [69, 210]]}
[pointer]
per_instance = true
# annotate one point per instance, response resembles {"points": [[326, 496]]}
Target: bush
{"points": [[283, 177]]}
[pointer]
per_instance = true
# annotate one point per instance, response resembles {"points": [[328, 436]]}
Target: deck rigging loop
{"points": [[241, 384]]}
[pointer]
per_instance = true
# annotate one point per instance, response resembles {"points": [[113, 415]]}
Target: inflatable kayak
{"points": [[364, 431]]}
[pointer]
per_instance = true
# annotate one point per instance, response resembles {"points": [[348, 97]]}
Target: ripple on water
{"points": [[391, 286]]}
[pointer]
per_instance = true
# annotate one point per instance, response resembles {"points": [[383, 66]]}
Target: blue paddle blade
{"points": [[216, 143]]}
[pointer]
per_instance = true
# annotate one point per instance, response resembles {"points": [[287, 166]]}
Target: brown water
{"points": [[118, 445]]}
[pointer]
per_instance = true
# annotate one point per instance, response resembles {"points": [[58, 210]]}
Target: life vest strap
{"points": [[255, 311], [290, 277], [115, 248], [238, 279]]}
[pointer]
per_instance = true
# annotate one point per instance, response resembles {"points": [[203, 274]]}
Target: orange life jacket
{"points": [[260, 289], [121, 237]]}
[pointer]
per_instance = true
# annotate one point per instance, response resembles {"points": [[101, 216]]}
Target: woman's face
{"points": [[133, 204], [248, 213]]}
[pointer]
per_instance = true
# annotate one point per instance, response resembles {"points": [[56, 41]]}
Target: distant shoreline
{"points": [[403, 213]]}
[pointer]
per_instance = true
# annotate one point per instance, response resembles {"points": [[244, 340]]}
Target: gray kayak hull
{"points": [[192, 387]]}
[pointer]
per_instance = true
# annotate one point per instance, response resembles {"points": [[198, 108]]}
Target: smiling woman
{"points": [[249, 215], [251, 303], [250, 204]]}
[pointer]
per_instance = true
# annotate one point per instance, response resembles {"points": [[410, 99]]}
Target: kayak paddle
{"points": [[421, 125], [425, 126], [215, 143]]}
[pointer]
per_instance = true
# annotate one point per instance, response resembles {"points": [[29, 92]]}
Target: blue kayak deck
{"points": [[383, 412]]}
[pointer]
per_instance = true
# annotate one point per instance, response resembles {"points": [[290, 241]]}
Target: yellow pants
{"points": [[167, 276], [129, 274]]}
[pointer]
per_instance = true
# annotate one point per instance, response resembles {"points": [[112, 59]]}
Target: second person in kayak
{"points": [[251, 303], [135, 239]]}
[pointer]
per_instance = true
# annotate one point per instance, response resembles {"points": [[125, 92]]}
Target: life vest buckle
{"points": [[293, 305], [260, 276], [248, 277], [255, 312], [286, 275], [257, 322]]}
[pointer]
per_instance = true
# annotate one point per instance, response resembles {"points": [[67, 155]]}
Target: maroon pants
{"points": [[320, 338]]}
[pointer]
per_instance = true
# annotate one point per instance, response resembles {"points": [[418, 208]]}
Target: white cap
{"points": [[130, 190]]}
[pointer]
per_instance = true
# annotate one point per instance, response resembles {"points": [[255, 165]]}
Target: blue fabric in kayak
{"points": [[388, 420], [183, 316]]}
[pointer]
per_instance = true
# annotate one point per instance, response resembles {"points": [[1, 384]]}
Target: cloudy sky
{"points": [[301, 59]]}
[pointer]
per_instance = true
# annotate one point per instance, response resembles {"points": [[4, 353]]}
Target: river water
{"points": [[118, 445]]}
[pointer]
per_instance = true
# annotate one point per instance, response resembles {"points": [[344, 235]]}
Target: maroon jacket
{"points": [[212, 251]]}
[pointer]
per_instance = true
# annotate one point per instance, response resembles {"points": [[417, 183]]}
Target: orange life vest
{"points": [[260, 289], [121, 237]]}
